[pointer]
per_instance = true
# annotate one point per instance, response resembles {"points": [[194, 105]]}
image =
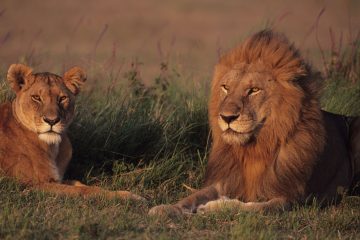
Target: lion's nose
{"points": [[51, 121], [229, 118]]}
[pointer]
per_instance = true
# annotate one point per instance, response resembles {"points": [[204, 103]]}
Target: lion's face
{"points": [[243, 104], [44, 102]]}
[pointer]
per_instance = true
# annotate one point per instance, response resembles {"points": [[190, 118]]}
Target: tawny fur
{"points": [[34, 146], [272, 144]]}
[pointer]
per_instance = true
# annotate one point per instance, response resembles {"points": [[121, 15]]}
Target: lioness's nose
{"points": [[51, 121], [229, 118]]}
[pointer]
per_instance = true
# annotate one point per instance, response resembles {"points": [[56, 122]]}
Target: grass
{"points": [[342, 76], [35, 215], [151, 140]]}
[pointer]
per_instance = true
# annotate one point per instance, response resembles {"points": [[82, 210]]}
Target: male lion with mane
{"points": [[272, 144], [34, 146]]}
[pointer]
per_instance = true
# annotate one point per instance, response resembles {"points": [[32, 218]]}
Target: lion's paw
{"points": [[219, 204]]}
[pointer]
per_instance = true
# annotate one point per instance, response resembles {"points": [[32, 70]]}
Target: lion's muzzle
{"points": [[236, 124], [229, 118], [50, 130], [51, 120]]}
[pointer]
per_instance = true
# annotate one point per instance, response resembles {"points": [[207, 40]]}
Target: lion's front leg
{"points": [[188, 204], [236, 205]]}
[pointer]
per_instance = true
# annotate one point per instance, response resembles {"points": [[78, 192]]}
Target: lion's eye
{"points": [[36, 98], [225, 88], [253, 90], [62, 99]]}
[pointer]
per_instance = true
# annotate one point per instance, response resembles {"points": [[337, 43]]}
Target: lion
{"points": [[34, 146], [272, 145]]}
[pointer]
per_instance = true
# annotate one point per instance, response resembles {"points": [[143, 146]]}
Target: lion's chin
{"points": [[50, 137], [234, 138]]}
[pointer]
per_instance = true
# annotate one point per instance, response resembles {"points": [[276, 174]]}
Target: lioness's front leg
{"points": [[188, 204], [76, 188], [236, 205]]}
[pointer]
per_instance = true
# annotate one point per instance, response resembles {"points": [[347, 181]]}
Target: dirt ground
{"points": [[190, 35]]}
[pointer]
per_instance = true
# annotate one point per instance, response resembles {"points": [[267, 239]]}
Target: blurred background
{"points": [[187, 35]]}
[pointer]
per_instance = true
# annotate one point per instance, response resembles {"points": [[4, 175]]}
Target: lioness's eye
{"points": [[36, 98], [63, 98], [224, 88], [253, 90]]}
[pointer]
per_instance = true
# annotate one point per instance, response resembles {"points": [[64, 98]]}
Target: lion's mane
{"points": [[280, 161]]}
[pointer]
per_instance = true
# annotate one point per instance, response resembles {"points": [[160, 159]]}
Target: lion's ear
{"points": [[17, 76], [74, 79]]}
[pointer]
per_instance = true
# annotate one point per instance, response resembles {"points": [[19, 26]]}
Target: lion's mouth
{"points": [[51, 131], [241, 132], [47, 129], [232, 131], [240, 127], [234, 137]]}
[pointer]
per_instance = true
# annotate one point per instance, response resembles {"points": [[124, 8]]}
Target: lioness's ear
{"points": [[74, 79], [17, 76]]}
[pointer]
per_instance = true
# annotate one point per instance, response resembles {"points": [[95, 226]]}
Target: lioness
{"points": [[272, 145], [34, 146]]}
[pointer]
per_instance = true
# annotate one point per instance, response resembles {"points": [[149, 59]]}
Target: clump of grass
{"points": [[344, 62], [5, 93], [138, 135], [342, 77]]}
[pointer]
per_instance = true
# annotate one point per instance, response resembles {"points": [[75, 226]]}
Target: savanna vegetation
{"points": [[153, 139]]}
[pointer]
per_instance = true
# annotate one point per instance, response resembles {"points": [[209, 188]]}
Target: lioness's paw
{"points": [[165, 211], [132, 196], [126, 195]]}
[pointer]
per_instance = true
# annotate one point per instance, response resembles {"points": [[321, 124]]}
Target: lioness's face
{"points": [[43, 104], [46, 107], [243, 108]]}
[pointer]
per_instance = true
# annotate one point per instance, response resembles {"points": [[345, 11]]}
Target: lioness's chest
{"points": [[42, 164], [25, 157]]}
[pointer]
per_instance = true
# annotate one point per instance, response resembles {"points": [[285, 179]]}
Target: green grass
{"points": [[35, 215], [151, 140]]}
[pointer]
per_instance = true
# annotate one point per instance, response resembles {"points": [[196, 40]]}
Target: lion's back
{"points": [[333, 170], [7, 125], [5, 115], [7, 132]]}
